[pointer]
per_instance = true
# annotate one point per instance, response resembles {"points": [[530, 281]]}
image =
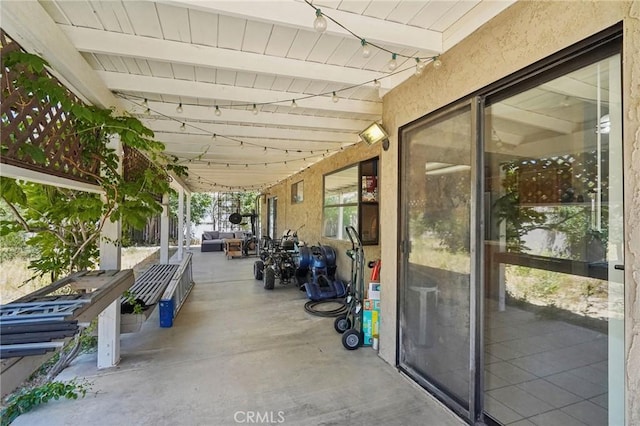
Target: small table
{"points": [[233, 247]]}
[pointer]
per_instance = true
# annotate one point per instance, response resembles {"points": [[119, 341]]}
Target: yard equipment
{"points": [[318, 264], [277, 260], [350, 324]]}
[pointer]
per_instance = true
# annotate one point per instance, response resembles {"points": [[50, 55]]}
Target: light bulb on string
{"points": [[147, 111], [241, 145], [320, 23], [145, 103], [254, 110], [213, 137], [286, 152], [366, 50], [294, 105], [437, 63], [183, 127], [419, 66], [217, 112], [335, 97], [393, 64], [179, 108], [376, 84]]}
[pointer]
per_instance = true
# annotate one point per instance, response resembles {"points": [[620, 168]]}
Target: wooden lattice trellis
{"points": [[29, 122]]}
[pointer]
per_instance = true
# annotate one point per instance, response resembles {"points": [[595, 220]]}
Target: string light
{"points": [[179, 108], [254, 110], [147, 111], [376, 84], [419, 66], [145, 103], [335, 98], [294, 105], [217, 112], [320, 23], [366, 50], [213, 137], [183, 127], [393, 64], [437, 63]]}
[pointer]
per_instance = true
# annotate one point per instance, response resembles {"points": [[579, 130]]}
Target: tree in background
{"points": [[200, 206]]}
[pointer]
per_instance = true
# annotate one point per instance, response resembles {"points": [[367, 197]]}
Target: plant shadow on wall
{"points": [[548, 210]]}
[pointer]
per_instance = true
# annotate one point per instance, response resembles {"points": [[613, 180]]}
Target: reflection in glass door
{"points": [[553, 334], [436, 264]]}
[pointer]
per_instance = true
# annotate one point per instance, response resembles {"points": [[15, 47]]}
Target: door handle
{"points": [[619, 267]]}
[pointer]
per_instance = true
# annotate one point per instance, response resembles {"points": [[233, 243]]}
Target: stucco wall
{"points": [[524, 33], [309, 212]]}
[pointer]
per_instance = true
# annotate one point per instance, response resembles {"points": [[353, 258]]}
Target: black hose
{"points": [[311, 305]]}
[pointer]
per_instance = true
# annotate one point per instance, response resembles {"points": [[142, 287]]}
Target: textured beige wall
{"points": [[309, 212], [524, 33]]}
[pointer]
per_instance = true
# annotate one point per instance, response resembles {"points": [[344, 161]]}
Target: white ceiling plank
{"points": [[452, 15], [204, 28], [47, 40], [324, 48], [299, 15], [132, 65], [144, 18], [256, 36], [54, 11], [282, 84], [93, 61], [161, 69], [80, 13], [225, 77], [380, 9], [174, 22], [430, 15], [264, 81], [206, 75], [354, 6], [122, 82], [145, 69], [230, 32], [96, 41], [112, 16], [405, 11], [343, 54], [471, 21], [245, 79], [302, 45], [203, 142], [203, 113], [280, 41], [184, 72]]}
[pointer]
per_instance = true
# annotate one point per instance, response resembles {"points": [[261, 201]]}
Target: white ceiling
{"points": [[234, 54]]}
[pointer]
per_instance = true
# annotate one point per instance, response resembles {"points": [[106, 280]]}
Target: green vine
{"points": [[65, 224], [28, 399]]}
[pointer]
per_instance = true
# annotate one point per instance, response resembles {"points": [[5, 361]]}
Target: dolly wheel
{"points": [[342, 323], [269, 278], [351, 339]]}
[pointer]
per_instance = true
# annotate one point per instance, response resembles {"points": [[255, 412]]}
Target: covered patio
{"points": [[237, 351]]}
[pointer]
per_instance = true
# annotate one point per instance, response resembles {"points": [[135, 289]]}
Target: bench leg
{"points": [[109, 336]]}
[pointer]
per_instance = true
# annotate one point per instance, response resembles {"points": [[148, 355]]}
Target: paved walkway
{"points": [[238, 354]]}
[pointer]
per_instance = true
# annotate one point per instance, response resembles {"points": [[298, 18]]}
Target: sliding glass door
{"points": [[553, 302], [511, 291], [435, 291]]}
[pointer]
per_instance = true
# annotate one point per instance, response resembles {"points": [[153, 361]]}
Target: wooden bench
{"points": [[148, 287]]}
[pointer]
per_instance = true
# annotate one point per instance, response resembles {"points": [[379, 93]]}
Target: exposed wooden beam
{"points": [[225, 94], [297, 14], [167, 126], [203, 113], [119, 44]]}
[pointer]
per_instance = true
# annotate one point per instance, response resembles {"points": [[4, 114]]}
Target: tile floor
{"points": [[544, 372]]}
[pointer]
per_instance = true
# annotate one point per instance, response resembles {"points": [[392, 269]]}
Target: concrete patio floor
{"points": [[237, 349]]}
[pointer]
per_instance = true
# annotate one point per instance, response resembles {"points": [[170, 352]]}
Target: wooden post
{"points": [[109, 319], [180, 222], [164, 230], [188, 225]]}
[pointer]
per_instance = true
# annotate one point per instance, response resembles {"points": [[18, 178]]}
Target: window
{"points": [[351, 199], [297, 192]]}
